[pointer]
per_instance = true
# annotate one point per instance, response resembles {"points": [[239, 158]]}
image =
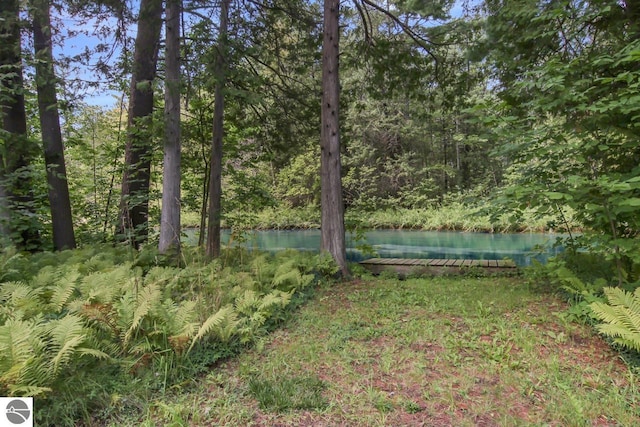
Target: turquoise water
{"points": [[520, 247]]}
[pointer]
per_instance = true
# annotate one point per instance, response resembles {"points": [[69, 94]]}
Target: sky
{"points": [[85, 38]]}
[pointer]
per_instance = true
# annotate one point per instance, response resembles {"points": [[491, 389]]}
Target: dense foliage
{"points": [[78, 327]]}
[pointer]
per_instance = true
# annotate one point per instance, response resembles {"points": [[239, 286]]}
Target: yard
{"points": [[426, 351]]}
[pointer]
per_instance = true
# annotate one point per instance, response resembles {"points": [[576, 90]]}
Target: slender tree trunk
{"points": [[333, 230], [203, 206], [170, 215], [107, 207], [134, 203], [17, 209], [205, 145], [215, 178], [63, 236]]}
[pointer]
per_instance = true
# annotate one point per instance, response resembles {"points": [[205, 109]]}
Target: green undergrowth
{"points": [[101, 329], [455, 216], [452, 217]]}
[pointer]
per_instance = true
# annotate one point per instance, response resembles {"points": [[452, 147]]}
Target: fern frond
{"points": [[95, 353], [28, 390], [275, 298], [63, 290], [21, 343], [289, 277], [105, 287], [183, 319], [8, 256], [621, 336], [160, 275], [247, 302], [620, 297], [21, 297], [260, 268], [621, 317], [147, 297], [212, 323], [67, 334], [45, 277], [141, 347]]}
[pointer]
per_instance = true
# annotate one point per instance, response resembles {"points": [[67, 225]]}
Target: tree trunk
{"points": [[63, 236], [215, 178], [17, 208], [332, 223], [203, 206], [170, 215], [134, 202]]}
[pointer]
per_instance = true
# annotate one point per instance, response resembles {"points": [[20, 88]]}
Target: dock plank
{"points": [[436, 266]]}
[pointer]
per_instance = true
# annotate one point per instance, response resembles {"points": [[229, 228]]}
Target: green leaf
{"points": [[634, 201], [554, 195]]}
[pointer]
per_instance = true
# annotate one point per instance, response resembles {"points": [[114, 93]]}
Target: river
{"points": [[522, 248]]}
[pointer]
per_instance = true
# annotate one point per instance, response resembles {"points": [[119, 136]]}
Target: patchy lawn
{"points": [[433, 352]]}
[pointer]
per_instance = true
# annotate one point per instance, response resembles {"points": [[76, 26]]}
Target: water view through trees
{"points": [[522, 248]]}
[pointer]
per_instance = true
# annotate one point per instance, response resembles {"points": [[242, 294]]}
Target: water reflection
{"points": [[521, 248]]}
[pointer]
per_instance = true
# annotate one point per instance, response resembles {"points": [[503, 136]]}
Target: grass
{"points": [[424, 351]]}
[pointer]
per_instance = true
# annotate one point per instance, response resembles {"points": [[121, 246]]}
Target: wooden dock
{"points": [[405, 266]]}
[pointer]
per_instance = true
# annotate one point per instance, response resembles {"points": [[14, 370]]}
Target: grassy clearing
{"points": [[441, 351]]}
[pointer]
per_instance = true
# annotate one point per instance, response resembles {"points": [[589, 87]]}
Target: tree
{"points": [[569, 82], [63, 234], [170, 215], [17, 205], [215, 179], [332, 205], [134, 202]]}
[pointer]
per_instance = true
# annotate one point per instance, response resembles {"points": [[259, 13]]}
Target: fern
{"points": [[147, 298], [8, 257], [19, 300], [277, 299], [246, 304], [221, 323], [288, 277], [16, 349], [67, 334], [262, 269], [105, 287], [63, 290], [182, 319], [621, 316], [46, 277], [78, 312], [22, 356]]}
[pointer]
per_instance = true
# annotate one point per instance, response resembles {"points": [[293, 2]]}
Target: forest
{"points": [[343, 116]]}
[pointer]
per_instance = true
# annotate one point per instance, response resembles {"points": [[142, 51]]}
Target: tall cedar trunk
{"points": [[134, 202], [63, 236], [17, 208], [333, 232], [170, 215], [215, 177]]}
